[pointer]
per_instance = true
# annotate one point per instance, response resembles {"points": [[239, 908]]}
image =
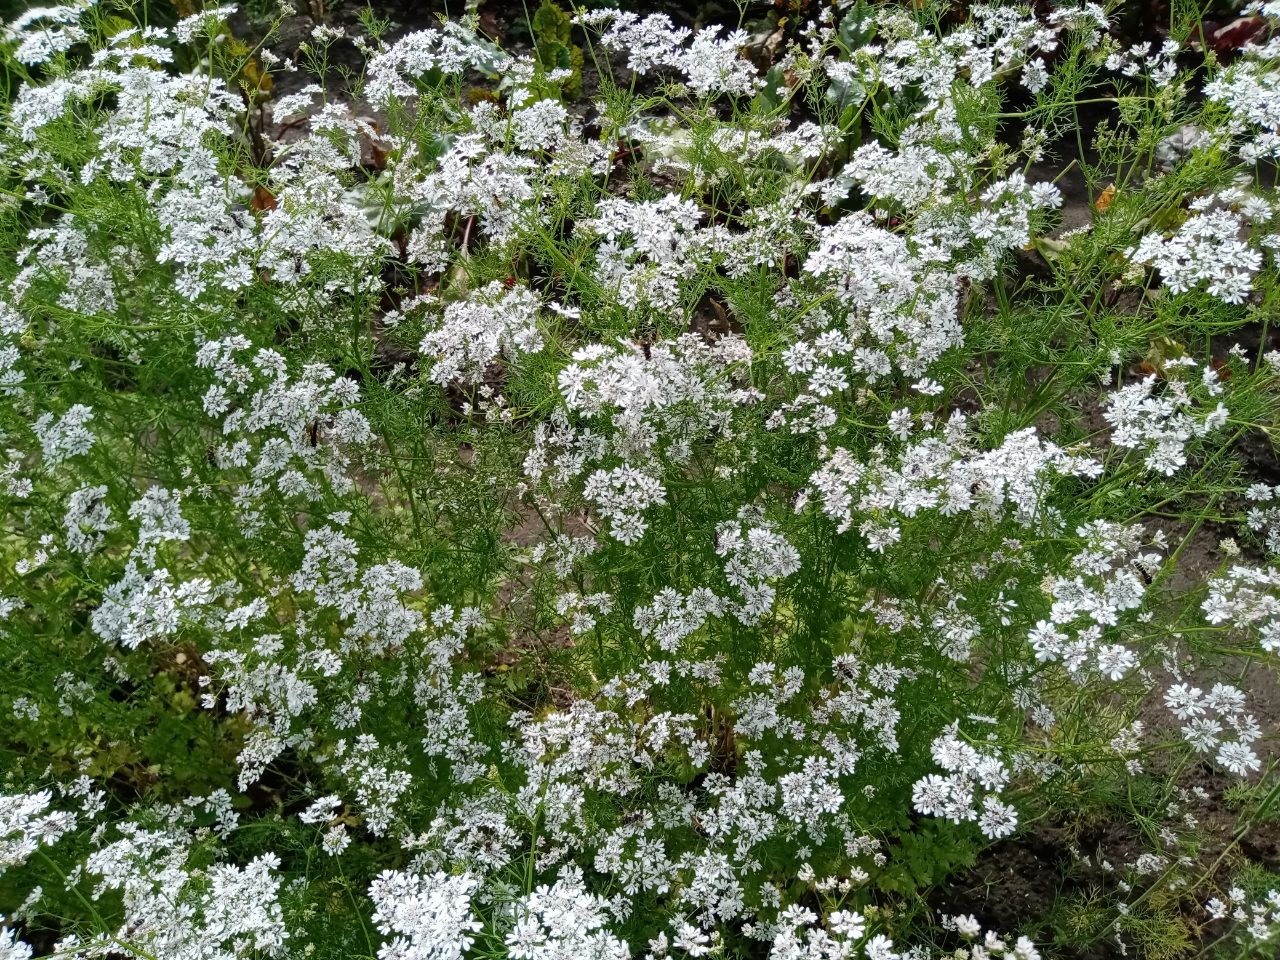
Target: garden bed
{"points": [[795, 481]]}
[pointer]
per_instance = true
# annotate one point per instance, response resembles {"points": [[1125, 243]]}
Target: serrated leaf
{"points": [[768, 99], [858, 28], [846, 94]]}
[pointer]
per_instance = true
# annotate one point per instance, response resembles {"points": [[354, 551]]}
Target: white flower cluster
{"points": [[562, 921], [1160, 64], [65, 437], [147, 604], [172, 910], [672, 616], [647, 406], [910, 176], [1247, 598], [1250, 88], [1110, 579], [12, 326], [284, 430], [149, 607], [11, 948], [63, 256], [956, 794], [203, 23], [475, 331], [539, 125], [1261, 916], [1207, 249], [944, 473], [997, 40], [887, 294], [1161, 418], [711, 64], [991, 945], [494, 193], [427, 916], [1085, 17], [1208, 715], [377, 779], [43, 32], [359, 615], [898, 297], [647, 248], [621, 496], [582, 611], [1264, 517], [267, 693], [798, 937], [451, 49], [662, 397], [755, 555], [369, 599], [87, 520], [27, 823], [156, 123]]}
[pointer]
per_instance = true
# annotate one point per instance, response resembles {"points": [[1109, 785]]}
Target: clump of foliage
{"points": [[439, 524], [554, 49]]}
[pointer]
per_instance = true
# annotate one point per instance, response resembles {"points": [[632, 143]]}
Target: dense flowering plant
{"points": [[448, 518]]}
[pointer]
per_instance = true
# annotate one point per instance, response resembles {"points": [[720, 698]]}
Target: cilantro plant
{"points": [[660, 493]]}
